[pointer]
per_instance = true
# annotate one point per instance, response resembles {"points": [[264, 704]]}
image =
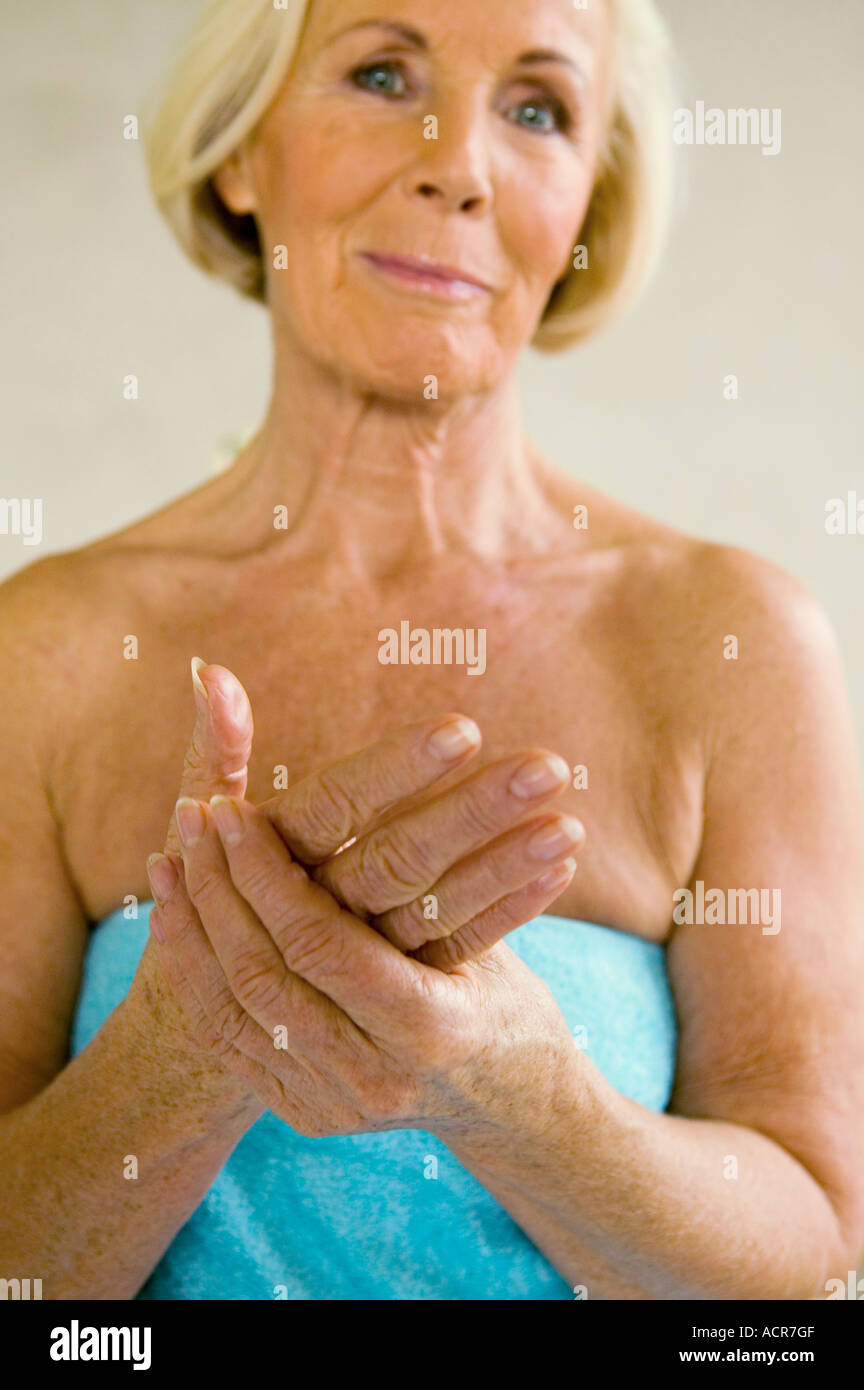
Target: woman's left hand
{"points": [[335, 1029]]}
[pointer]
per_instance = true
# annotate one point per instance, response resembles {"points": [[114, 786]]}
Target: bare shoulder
{"points": [[38, 604], [740, 647], [703, 580], [760, 593], [716, 632], [742, 608], [63, 623], [48, 606], [49, 637], [681, 603], [695, 587], [66, 603]]}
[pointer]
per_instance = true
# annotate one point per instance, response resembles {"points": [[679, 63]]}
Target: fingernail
{"points": [[454, 739], [202, 699], [229, 818], [162, 876], [557, 878], [539, 775], [190, 820], [552, 840]]}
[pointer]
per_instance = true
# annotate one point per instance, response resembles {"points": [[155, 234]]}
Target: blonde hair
{"points": [[233, 64]]}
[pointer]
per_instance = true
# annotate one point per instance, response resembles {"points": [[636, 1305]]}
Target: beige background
{"points": [[761, 278]]}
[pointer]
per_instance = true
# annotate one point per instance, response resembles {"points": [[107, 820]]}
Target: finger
{"points": [[216, 1019], [312, 1054], [317, 815], [175, 916], [482, 879], [395, 863], [368, 979], [196, 1023], [489, 927], [269, 948], [221, 744]]}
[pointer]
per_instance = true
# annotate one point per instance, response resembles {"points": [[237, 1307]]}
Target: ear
{"points": [[233, 183]]}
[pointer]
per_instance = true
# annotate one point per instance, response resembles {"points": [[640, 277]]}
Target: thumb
{"points": [[218, 753]]}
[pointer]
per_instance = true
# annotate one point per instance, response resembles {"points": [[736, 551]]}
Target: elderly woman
{"points": [[315, 1068]]}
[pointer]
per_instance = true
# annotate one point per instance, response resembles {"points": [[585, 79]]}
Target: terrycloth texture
{"points": [[394, 1215]]}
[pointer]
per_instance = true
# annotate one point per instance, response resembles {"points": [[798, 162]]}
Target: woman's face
{"points": [[464, 132]]}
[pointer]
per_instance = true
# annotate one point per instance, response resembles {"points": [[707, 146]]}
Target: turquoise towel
{"points": [[394, 1215]]}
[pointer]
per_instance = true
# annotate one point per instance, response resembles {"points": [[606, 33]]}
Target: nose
{"points": [[454, 168]]}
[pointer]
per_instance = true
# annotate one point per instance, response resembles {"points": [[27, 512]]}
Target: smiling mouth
{"points": [[426, 277]]}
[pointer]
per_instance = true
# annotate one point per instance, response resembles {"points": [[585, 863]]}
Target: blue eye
{"points": [[544, 116], [390, 70]]}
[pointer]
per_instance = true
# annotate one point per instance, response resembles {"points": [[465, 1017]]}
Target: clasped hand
{"points": [[298, 977]]}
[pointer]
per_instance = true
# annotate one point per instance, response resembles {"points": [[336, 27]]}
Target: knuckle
{"points": [[329, 815], [496, 873], [315, 943], [408, 929], [255, 878], [210, 1038], [444, 953], [478, 815], [208, 761], [291, 877], [391, 866], [253, 979], [229, 1020]]}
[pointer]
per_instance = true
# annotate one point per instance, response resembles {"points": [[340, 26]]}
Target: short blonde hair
{"points": [[232, 66]]}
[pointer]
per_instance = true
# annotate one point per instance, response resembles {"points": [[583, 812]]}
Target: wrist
{"points": [[560, 1104], [158, 1056]]}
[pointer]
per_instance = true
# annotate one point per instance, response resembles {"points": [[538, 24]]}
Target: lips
{"points": [[426, 268]]}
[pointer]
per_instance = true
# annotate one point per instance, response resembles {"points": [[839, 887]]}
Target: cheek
{"points": [[542, 229], [319, 177]]}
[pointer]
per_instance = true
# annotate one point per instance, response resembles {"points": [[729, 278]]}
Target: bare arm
{"points": [[73, 1216], [753, 1185], [70, 1216]]}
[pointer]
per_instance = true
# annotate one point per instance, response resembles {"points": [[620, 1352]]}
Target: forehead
{"points": [[493, 32]]}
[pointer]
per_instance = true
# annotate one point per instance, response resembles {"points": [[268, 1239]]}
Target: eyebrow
{"points": [[417, 40]]}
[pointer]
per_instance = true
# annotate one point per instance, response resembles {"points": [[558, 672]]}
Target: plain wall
{"points": [[761, 278]]}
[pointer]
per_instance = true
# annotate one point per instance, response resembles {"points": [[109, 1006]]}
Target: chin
{"points": [[404, 362]]}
